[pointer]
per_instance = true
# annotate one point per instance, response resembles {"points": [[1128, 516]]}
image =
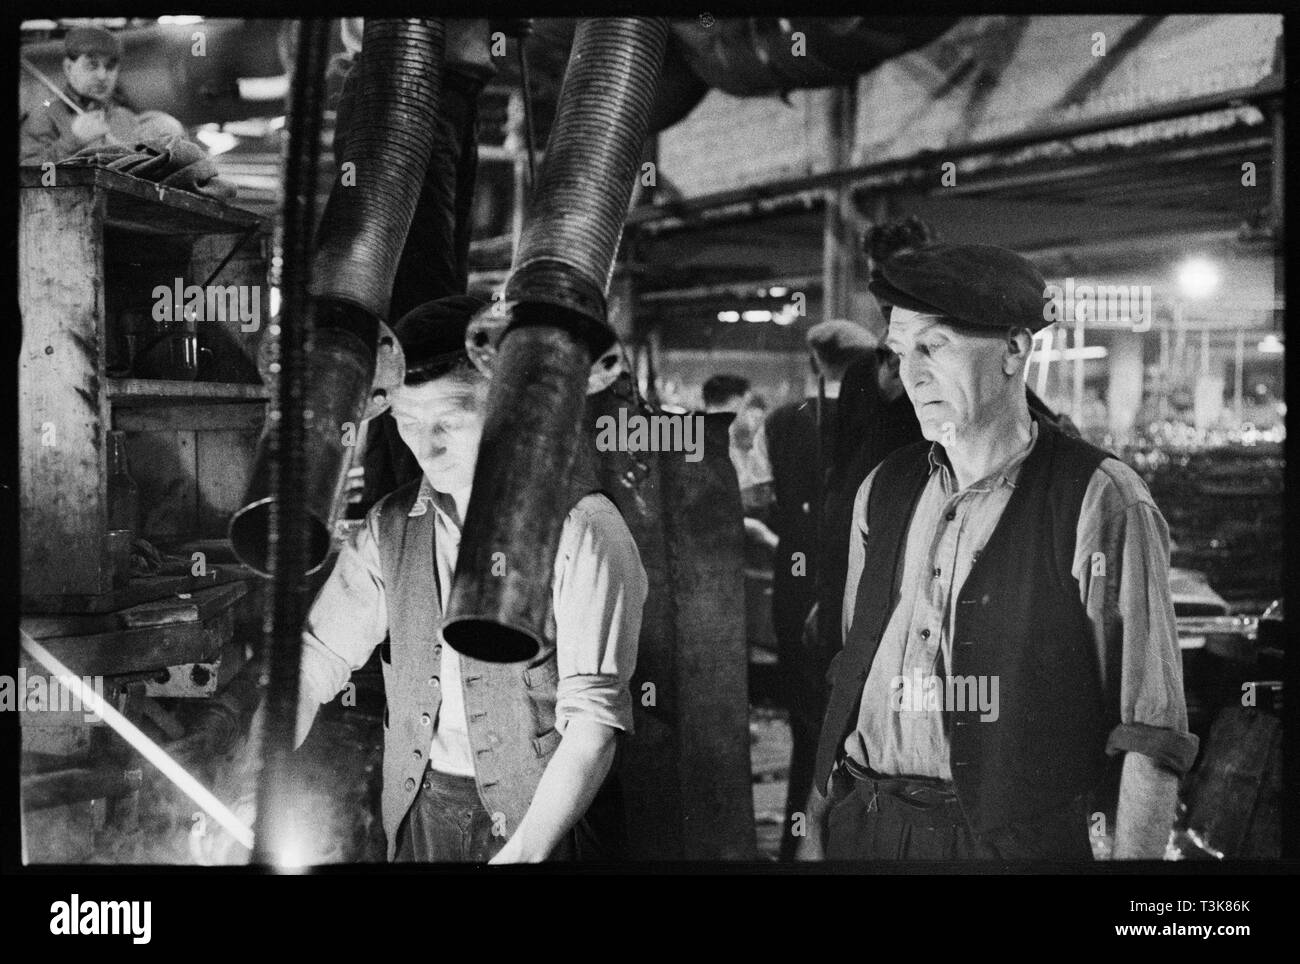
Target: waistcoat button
{"points": [[425, 719], [433, 681], [925, 634], [952, 514], [410, 784], [417, 754]]}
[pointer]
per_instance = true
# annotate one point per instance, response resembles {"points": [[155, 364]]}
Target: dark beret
{"points": [[432, 335], [972, 285], [91, 40]]}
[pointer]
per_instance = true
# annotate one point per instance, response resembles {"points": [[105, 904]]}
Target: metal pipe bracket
{"points": [[489, 326]]}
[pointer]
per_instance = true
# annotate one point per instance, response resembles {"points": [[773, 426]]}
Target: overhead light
{"points": [[1086, 353], [1198, 277], [786, 315], [728, 316], [1270, 344], [180, 21], [757, 314], [215, 140], [263, 88], [776, 291]]}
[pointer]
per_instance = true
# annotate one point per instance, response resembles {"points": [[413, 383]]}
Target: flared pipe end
{"points": [[489, 640], [250, 530]]}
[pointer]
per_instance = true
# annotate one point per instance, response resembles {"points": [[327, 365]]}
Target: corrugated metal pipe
{"points": [[358, 245], [556, 329]]}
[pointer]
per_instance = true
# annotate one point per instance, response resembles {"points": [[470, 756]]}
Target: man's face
{"points": [[92, 75], [954, 378], [442, 423]]}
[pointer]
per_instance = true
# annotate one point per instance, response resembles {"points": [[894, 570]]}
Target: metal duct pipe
{"points": [[359, 242], [557, 327]]}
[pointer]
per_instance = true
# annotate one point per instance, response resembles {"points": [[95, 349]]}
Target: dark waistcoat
{"points": [[1019, 619]]}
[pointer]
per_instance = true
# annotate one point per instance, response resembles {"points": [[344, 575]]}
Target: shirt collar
{"points": [[441, 502], [1007, 473]]}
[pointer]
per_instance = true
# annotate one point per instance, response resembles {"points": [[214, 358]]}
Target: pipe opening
{"points": [[250, 530], [490, 641]]}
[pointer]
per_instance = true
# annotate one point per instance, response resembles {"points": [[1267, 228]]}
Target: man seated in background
{"points": [[55, 130]]}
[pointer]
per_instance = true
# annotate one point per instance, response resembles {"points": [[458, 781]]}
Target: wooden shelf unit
{"points": [[94, 243]]}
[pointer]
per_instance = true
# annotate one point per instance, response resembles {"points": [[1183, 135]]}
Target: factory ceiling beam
{"points": [[892, 173]]}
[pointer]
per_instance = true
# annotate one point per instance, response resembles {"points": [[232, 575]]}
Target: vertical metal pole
{"points": [[1238, 389], [1077, 402], [519, 164], [837, 255], [288, 546]]}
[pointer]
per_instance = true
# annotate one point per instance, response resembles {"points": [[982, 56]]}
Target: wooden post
{"points": [[62, 401]]}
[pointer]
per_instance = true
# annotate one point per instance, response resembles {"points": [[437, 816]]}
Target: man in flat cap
{"points": [[1010, 651], [54, 130], [482, 761]]}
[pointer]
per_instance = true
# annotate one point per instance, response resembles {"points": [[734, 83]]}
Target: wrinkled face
{"points": [[91, 75], [954, 378], [442, 423]]}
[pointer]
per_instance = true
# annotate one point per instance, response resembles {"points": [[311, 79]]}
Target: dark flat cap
{"points": [[91, 40], [432, 335], [972, 285]]}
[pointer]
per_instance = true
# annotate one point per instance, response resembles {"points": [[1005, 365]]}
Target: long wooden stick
{"points": [[31, 69]]}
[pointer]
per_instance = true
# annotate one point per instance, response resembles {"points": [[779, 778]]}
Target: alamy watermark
{"points": [[651, 433], [920, 694], [1114, 305], [242, 303], [37, 693]]}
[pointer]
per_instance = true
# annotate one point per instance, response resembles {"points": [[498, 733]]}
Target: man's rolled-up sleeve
{"points": [[1122, 563], [348, 619], [599, 592]]}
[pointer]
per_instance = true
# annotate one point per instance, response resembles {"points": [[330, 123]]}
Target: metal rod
{"points": [[287, 541], [528, 111], [146, 747]]}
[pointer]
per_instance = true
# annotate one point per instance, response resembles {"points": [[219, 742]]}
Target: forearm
{"points": [[567, 788], [1148, 796]]}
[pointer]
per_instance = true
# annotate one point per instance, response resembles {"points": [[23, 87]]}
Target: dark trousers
{"points": [[448, 823], [875, 818], [803, 684]]}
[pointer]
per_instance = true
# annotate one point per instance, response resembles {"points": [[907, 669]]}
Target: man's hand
{"points": [[1148, 796], [810, 846], [90, 126], [568, 786]]}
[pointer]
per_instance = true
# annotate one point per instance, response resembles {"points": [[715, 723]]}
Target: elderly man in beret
{"points": [[1010, 681], [482, 761], [55, 130]]}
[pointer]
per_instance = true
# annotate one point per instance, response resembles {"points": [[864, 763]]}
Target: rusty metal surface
{"points": [[686, 769]]}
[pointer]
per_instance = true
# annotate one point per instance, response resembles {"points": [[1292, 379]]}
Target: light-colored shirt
{"points": [[598, 591], [1128, 607]]}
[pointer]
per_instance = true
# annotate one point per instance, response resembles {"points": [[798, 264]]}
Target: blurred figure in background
{"points": [[58, 129], [801, 443], [748, 450]]}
